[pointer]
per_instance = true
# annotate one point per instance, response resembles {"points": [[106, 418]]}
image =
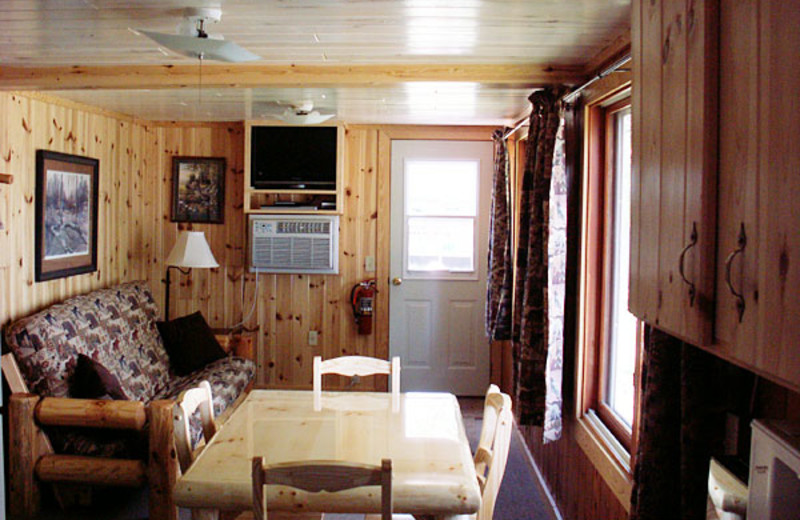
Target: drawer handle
{"points": [[741, 242], [691, 244]]}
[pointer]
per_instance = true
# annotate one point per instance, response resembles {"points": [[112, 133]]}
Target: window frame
{"points": [[600, 433]]}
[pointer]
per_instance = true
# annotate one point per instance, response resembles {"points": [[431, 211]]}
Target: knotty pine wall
{"points": [[135, 233], [129, 206]]}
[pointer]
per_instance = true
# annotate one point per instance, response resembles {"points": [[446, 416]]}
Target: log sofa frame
{"points": [[31, 459]]}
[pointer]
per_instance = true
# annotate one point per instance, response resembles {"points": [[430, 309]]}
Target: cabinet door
{"points": [[758, 303], [737, 236], [675, 57], [779, 191]]}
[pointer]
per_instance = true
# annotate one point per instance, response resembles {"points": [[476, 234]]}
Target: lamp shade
{"points": [[191, 250]]}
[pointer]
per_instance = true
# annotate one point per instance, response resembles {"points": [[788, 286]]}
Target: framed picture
{"points": [[198, 189], [66, 215]]}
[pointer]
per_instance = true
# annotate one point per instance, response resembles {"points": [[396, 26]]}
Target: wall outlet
{"points": [[369, 264], [313, 337]]}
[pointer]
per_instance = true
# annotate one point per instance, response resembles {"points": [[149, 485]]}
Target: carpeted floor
{"points": [[519, 498]]}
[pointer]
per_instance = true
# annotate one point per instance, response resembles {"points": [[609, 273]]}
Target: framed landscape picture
{"points": [[66, 215], [198, 189]]}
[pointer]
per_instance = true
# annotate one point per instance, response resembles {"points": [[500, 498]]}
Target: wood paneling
{"points": [[135, 233], [27, 125], [578, 488], [70, 32]]}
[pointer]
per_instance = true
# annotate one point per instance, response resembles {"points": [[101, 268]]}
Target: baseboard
{"points": [[555, 514]]}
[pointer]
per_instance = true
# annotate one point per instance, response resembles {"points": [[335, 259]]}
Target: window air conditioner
{"points": [[294, 244]]}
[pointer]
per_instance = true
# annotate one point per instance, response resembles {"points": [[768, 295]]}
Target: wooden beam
{"points": [[274, 76], [92, 470]]}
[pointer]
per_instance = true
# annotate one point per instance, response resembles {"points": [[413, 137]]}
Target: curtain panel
{"points": [[556, 288], [682, 422], [499, 287], [530, 327]]}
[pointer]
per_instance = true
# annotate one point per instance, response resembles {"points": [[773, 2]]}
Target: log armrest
{"points": [[92, 413], [30, 464]]}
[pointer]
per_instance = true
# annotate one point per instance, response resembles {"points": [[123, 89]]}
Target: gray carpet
{"points": [[519, 497]]}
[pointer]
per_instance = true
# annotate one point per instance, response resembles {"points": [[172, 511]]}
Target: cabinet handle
{"points": [[741, 242], [691, 244]]}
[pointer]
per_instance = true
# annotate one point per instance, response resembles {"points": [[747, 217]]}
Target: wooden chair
{"points": [[356, 366], [316, 476], [491, 455], [188, 402]]}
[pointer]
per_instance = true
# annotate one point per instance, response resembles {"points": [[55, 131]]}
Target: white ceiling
{"points": [[384, 36]]}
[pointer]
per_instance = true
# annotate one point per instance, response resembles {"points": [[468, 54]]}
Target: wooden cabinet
{"points": [[758, 257], [747, 302], [674, 101], [307, 201]]}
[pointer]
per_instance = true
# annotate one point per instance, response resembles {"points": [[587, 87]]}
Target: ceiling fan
{"points": [[193, 41], [302, 113]]}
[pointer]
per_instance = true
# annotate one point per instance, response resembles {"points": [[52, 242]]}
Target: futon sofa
{"points": [[116, 329]]}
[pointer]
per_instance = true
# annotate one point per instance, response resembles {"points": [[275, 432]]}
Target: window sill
{"points": [[607, 456]]}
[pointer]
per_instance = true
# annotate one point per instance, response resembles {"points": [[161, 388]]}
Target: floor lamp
{"points": [[190, 250]]}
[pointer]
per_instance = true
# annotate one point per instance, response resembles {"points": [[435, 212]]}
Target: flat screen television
{"points": [[293, 157]]}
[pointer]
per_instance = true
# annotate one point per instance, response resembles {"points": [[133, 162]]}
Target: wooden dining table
{"points": [[422, 433]]}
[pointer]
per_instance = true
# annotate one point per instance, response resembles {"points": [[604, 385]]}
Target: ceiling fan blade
{"points": [[210, 48], [311, 118]]}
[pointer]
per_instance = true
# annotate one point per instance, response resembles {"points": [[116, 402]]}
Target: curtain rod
{"points": [[572, 94], [522, 122]]}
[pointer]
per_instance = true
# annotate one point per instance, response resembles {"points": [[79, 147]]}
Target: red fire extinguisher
{"points": [[362, 297]]}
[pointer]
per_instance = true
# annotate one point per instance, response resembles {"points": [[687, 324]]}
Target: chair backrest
{"points": [[492, 452], [316, 476], [356, 366], [189, 401]]}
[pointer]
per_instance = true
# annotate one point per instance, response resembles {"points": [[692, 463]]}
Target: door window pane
{"points": [[441, 188], [440, 244]]}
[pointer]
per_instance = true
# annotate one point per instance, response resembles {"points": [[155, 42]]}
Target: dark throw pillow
{"points": [[190, 343], [91, 380]]}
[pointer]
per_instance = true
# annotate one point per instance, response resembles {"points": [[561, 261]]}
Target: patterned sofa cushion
{"points": [[114, 326], [228, 378]]}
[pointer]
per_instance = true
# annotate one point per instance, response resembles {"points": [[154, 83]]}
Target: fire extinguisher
{"points": [[362, 297]]}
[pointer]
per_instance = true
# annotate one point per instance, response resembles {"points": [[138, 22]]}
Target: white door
{"points": [[439, 239]]}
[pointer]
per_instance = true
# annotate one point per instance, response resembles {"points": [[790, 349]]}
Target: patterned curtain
{"points": [[530, 332], [556, 288], [682, 421], [499, 287]]}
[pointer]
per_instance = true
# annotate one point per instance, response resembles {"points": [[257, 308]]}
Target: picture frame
{"points": [[66, 215], [198, 189]]}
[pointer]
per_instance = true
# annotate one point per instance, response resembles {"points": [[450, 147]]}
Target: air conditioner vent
{"points": [[294, 244]]}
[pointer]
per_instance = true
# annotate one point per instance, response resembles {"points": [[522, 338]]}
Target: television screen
{"points": [[293, 158]]}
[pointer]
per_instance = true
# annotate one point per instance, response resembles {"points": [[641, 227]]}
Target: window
{"points": [[441, 218], [610, 337]]}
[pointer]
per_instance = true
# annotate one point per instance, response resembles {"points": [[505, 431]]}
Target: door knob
{"points": [[397, 281]]}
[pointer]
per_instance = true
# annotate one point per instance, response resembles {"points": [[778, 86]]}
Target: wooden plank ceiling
{"points": [[387, 62]]}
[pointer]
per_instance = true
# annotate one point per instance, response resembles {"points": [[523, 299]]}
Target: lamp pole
{"points": [[166, 292]]}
